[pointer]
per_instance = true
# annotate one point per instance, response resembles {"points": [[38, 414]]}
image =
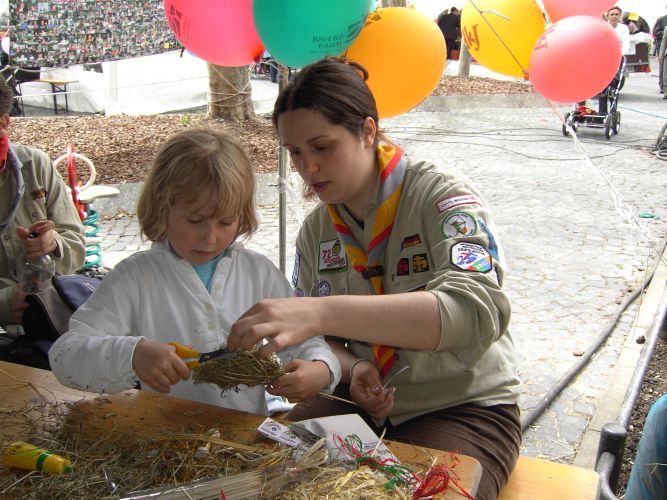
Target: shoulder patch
{"points": [[420, 263], [471, 257], [403, 267], [411, 241], [493, 246], [464, 199], [38, 193], [332, 257], [459, 224], [324, 288]]}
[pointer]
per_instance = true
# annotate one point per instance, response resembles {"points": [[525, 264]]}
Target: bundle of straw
{"points": [[246, 368], [266, 483]]}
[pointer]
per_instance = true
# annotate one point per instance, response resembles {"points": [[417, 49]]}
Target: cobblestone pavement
{"points": [[573, 236]]}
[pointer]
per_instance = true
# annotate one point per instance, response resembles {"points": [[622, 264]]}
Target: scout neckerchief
{"points": [[14, 164], [368, 261]]}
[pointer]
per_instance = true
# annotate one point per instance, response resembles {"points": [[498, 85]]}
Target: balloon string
{"points": [[481, 13], [285, 184], [619, 205]]}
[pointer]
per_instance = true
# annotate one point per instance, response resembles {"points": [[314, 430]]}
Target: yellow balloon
{"points": [[500, 34], [404, 53]]}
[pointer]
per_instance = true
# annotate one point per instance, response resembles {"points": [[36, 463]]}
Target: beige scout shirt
{"points": [[441, 242], [45, 197]]}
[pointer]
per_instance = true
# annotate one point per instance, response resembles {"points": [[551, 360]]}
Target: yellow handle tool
{"points": [[188, 353]]}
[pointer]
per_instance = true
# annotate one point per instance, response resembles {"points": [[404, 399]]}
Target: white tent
{"points": [[139, 86]]}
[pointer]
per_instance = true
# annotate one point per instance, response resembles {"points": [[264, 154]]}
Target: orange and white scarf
{"points": [[368, 261]]}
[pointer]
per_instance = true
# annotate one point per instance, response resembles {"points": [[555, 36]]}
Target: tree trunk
{"points": [[229, 93], [464, 60]]}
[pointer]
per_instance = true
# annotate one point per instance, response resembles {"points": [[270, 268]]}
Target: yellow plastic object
{"points": [[28, 456], [186, 353]]}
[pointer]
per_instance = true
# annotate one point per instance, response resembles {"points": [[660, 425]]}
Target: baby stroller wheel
{"points": [[616, 126], [568, 122], [607, 126]]}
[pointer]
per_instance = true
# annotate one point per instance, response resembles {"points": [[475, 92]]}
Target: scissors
{"points": [[187, 353]]}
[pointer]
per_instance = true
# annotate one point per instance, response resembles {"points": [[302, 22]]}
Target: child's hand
{"points": [[366, 390], [157, 365], [303, 380]]}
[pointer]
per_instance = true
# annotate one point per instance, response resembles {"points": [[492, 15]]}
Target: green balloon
{"points": [[298, 32]]}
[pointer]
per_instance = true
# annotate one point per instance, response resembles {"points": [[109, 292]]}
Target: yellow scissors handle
{"points": [[186, 353]]}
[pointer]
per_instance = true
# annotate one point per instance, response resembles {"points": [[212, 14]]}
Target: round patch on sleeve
{"points": [[459, 224], [471, 257]]}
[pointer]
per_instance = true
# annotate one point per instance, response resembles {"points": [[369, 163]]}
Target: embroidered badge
{"points": [[38, 193], [332, 257], [458, 224], [298, 292], [471, 257], [455, 201], [324, 288], [403, 267], [420, 263], [411, 241], [493, 246], [297, 264]]}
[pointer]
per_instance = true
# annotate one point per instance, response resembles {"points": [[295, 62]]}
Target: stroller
{"points": [[607, 116]]}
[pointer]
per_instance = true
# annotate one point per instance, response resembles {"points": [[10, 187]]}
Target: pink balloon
{"points": [[559, 9], [575, 59], [220, 32]]}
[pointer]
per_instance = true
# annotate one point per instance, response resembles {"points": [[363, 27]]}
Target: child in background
{"points": [[190, 287]]}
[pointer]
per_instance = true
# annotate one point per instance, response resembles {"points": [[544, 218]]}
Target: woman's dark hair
{"points": [[334, 87]]}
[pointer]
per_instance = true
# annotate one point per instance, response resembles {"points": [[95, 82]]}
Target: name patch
{"points": [[332, 257], [455, 201], [471, 257]]}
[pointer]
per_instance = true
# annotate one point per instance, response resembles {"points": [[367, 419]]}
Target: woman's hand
{"points": [[366, 390], [157, 365], [17, 304], [42, 244], [303, 380], [282, 322]]}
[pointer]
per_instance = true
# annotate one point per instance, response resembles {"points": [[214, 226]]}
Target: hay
{"points": [[245, 368], [115, 463]]}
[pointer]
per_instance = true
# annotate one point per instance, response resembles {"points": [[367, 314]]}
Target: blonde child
{"points": [[190, 287]]}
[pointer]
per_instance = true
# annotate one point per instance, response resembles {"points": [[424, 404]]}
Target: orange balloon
{"points": [[404, 52]]}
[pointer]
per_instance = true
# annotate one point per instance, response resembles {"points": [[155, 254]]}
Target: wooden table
{"points": [[139, 410], [57, 87]]}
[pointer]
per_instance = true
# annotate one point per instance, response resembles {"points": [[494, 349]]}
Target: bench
{"points": [[543, 480]]}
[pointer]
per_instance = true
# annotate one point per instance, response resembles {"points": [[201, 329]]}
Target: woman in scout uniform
{"points": [[400, 269]]}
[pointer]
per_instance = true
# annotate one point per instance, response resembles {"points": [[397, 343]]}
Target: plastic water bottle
{"points": [[35, 273]]}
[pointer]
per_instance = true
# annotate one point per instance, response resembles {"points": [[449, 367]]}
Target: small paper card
{"points": [[343, 426]]}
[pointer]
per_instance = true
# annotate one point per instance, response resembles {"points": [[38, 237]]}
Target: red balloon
{"points": [[220, 32], [559, 9], [575, 59]]}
